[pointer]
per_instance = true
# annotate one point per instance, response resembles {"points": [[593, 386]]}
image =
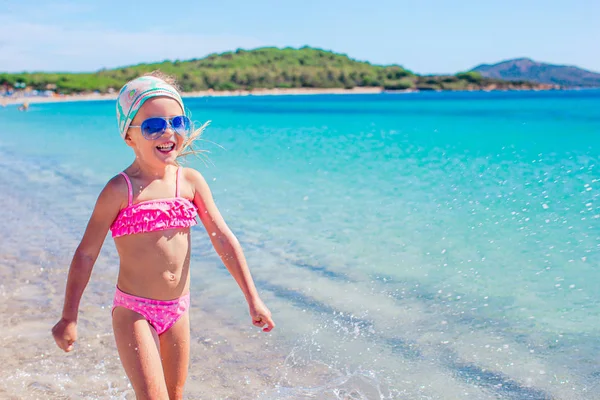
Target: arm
{"points": [[106, 209], [228, 248]]}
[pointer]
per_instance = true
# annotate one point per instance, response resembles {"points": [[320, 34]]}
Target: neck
{"points": [[153, 171]]}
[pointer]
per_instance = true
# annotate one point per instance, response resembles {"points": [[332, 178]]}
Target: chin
{"points": [[167, 158]]}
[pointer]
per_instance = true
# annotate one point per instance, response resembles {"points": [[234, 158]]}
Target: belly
{"points": [[155, 264]]}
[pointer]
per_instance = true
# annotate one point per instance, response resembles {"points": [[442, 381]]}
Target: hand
{"points": [[261, 315], [65, 334]]}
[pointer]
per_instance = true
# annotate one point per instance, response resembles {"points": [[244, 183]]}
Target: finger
{"points": [[65, 344], [270, 325]]}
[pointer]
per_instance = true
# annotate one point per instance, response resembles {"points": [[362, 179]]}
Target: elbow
{"points": [[226, 244], [84, 257]]}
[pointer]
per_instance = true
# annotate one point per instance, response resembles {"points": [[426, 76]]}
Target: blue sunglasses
{"points": [[155, 127]]}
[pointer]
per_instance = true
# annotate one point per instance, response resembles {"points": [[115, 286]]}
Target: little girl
{"points": [[149, 208]]}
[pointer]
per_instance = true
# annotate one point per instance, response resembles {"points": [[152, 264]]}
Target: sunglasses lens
{"points": [[181, 124], [153, 128]]}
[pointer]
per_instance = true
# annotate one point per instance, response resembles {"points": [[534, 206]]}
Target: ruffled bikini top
{"points": [[154, 215]]}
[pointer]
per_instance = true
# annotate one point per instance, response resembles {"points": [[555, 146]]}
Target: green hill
{"points": [[267, 68]]}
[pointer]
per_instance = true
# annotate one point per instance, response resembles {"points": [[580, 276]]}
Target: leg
{"points": [[175, 354], [138, 346]]}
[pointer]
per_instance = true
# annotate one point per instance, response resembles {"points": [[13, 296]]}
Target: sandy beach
{"points": [[230, 359], [33, 269], [205, 93], [33, 367]]}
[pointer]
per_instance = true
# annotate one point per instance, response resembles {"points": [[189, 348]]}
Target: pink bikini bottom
{"points": [[160, 314]]}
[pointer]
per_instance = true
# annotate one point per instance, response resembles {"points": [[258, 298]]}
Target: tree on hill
{"points": [[267, 67]]}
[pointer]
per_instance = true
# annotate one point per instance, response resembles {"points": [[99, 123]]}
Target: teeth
{"points": [[166, 146]]}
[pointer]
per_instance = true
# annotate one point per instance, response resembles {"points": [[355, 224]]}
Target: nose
{"points": [[169, 130]]}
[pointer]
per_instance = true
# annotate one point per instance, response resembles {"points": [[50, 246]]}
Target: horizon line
{"points": [[297, 48]]}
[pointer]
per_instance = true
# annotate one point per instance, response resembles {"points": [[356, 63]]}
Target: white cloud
{"points": [[44, 47]]}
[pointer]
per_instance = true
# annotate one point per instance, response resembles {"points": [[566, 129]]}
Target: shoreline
{"points": [[33, 279], [5, 101], [202, 93]]}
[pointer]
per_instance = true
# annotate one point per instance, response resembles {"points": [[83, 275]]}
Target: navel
{"points": [[171, 277]]}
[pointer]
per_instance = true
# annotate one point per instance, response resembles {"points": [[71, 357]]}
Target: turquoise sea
{"points": [[410, 246]]}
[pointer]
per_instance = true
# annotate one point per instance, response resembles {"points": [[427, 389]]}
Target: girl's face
{"points": [[163, 149]]}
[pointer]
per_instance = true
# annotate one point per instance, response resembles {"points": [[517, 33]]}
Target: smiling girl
{"points": [[149, 209]]}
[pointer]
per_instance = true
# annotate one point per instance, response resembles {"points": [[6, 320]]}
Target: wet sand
{"points": [[229, 358]]}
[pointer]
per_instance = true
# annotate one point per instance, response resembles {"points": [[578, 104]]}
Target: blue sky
{"points": [[434, 36]]}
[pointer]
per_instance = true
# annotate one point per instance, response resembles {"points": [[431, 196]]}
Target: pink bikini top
{"points": [[154, 215]]}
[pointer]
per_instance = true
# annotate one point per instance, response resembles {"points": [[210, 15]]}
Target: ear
{"points": [[128, 141]]}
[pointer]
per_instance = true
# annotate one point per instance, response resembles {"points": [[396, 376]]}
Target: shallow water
{"points": [[431, 246]]}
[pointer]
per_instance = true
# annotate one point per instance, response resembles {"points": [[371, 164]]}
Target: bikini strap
{"points": [[177, 182], [129, 189]]}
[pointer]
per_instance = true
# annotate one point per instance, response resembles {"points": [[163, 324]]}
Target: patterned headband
{"points": [[133, 95]]}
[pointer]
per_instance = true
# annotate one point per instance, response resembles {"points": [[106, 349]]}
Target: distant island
{"points": [[525, 69], [267, 68]]}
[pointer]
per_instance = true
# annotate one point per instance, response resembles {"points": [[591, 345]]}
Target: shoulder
{"points": [[194, 177], [190, 173], [117, 184], [196, 180], [114, 193]]}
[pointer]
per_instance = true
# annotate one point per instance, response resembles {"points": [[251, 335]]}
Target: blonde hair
{"points": [[188, 147]]}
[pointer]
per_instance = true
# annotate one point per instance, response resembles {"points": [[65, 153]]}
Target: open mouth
{"points": [[166, 147]]}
